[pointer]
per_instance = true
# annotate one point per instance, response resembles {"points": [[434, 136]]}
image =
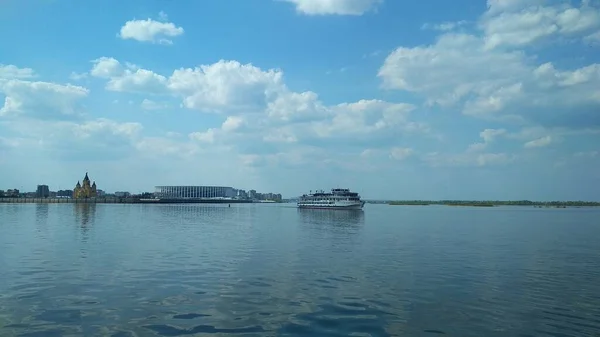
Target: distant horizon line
{"points": [[366, 199]]}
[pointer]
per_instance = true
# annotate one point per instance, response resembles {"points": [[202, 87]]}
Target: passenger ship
{"points": [[339, 198]]}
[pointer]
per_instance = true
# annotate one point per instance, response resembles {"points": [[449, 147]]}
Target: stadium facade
{"points": [[195, 192]]}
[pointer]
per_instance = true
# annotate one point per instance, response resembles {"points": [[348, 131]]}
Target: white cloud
{"points": [[43, 100], [367, 117], [9, 71], [401, 153], [94, 140], [586, 154], [593, 39], [140, 80], [207, 136], [467, 159], [225, 84], [159, 147], [293, 107], [444, 26], [540, 142], [106, 67], [261, 114], [474, 155], [103, 125], [148, 104], [535, 132], [497, 6], [265, 126], [128, 77], [451, 69], [488, 135], [162, 16], [49, 117], [523, 23], [232, 123], [368, 153], [463, 70], [476, 147], [150, 30], [335, 7], [78, 76]]}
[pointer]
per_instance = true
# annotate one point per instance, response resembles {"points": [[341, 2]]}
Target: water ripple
{"points": [[263, 270]]}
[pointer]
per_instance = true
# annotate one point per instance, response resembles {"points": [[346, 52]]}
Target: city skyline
{"points": [[471, 100], [86, 188]]}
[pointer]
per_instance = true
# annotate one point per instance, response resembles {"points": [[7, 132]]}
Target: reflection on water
{"points": [[252, 270], [332, 217], [41, 213], [197, 211], [333, 223], [85, 216]]}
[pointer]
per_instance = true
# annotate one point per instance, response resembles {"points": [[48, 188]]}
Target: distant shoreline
{"points": [[471, 203], [117, 200]]}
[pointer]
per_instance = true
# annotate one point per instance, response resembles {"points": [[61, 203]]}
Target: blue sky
{"points": [[395, 99]]}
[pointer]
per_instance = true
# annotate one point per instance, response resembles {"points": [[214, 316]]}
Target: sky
{"points": [[462, 99]]}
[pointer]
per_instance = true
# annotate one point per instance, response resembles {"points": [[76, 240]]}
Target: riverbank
{"points": [[115, 200], [537, 204]]}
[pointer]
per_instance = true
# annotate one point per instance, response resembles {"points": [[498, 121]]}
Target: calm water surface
{"points": [[273, 270]]}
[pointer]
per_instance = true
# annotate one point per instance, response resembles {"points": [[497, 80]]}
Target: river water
{"points": [[274, 270]]}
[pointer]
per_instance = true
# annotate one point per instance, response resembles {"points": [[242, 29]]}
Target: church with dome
{"points": [[85, 190]]}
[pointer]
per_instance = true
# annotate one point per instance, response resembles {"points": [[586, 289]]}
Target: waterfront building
{"points": [[12, 193], [193, 192], [64, 194], [42, 191], [86, 190]]}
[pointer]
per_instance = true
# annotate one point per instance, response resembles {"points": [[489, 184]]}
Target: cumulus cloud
{"points": [[520, 23], [50, 117], [148, 104], [42, 100], [540, 142], [444, 26], [225, 84], [467, 159], [488, 135], [37, 99], [586, 154], [335, 7], [150, 30], [401, 153], [127, 77], [486, 76], [260, 113], [593, 39], [10, 71], [106, 67]]}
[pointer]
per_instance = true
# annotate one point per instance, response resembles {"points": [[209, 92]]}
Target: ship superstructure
{"points": [[338, 198]]}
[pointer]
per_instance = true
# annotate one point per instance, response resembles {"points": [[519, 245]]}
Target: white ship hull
{"points": [[336, 205], [338, 198]]}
